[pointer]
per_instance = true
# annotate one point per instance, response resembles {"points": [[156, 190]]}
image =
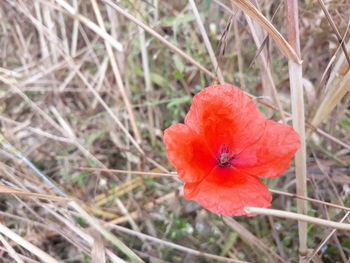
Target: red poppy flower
{"points": [[224, 146]]}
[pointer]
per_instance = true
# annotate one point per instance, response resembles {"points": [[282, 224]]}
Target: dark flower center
{"points": [[225, 157]]}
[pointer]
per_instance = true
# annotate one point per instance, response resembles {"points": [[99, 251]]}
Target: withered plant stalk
{"points": [[297, 96]]}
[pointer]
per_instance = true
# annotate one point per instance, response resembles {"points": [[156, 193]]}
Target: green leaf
{"points": [[179, 75], [158, 79], [345, 123], [80, 221], [181, 227], [177, 20], [178, 101], [92, 137], [346, 243], [92, 163], [68, 150], [80, 178], [178, 63], [332, 250]]}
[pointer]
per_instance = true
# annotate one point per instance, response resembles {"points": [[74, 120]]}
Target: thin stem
{"points": [[10, 250], [27, 245], [238, 46], [321, 245], [148, 82], [110, 112], [245, 234], [207, 42], [127, 171], [175, 246], [10, 190], [174, 174], [159, 37], [296, 216], [335, 29], [102, 33], [309, 199], [14, 151], [266, 74], [248, 8], [117, 74], [109, 236], [297, 96]]}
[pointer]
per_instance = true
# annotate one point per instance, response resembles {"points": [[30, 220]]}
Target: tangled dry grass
{"points": [[88, 86]]}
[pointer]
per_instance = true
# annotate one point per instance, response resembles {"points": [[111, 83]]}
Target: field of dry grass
{"points": [[87, 88]]}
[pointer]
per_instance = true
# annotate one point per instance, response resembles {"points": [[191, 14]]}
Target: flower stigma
{"points": [[225, 157]]}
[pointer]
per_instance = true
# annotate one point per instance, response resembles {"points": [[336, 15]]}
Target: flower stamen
{"points": [[225, 157]]}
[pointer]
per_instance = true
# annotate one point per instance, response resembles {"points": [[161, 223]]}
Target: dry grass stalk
{"points": [[297, 96], [207, 42], [334, 95], [75, 31], [74, 228], [335, 29], [175, 246], [98, 254], [10, 250], [268, 83], [52, 28], [98, 30], [99, 79], [27, 245], [238, 46], [59, 90], [111, 113], [92, 221], [138, 181], [313, 254], [148, 83], [43, 45], [104, 232], [160, 38], [246, 235], [117, 74], [249, 9], [299, 217], [9, 190]]}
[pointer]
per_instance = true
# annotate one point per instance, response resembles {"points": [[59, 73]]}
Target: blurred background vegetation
{"points": [[75, 95]]}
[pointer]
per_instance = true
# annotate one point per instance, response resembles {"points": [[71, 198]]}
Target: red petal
{"points": [[230, 197], [188, 153], [271, 155], [223, 114]]}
